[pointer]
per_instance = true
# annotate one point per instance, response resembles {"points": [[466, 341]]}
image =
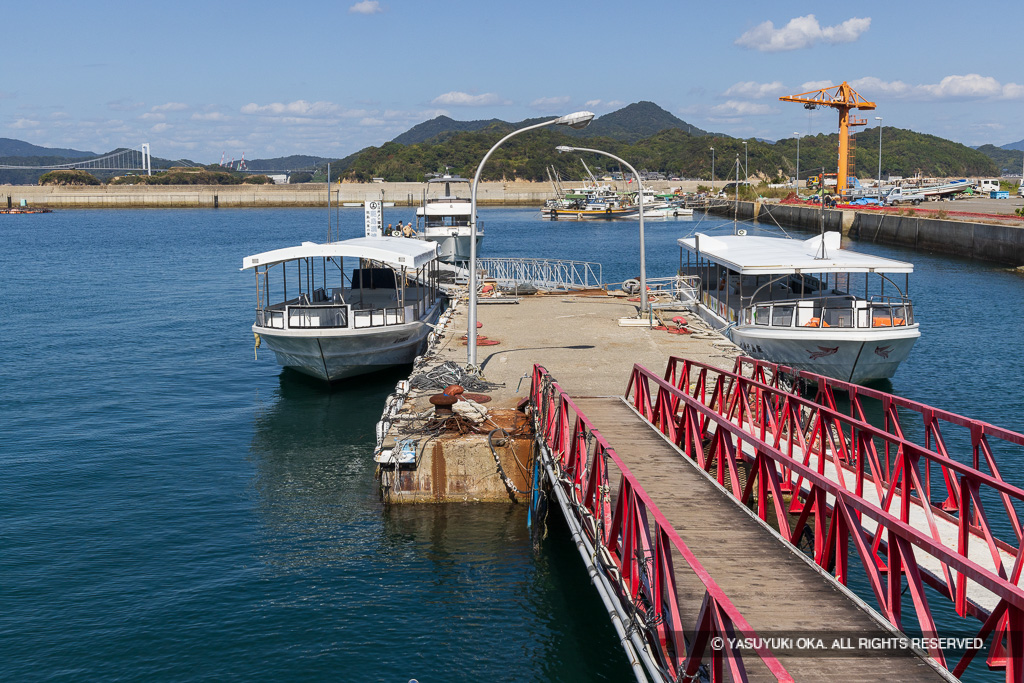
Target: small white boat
{"points": [[346, 308], [445, 220], [793, 302]]}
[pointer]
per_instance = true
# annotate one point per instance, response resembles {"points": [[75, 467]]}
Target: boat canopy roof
{"points": [[394, 251], [449, 179], [760, 255]]}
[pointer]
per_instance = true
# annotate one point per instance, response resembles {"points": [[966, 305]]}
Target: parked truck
{"points": [[898, 195]]}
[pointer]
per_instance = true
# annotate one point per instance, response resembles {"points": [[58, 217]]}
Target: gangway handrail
{"points": [[559, 274], [692, 410], [623, 533]]}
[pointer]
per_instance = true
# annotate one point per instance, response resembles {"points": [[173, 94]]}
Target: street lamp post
{"points": [[746, 167], [878, 181], [640, 188], [712, 170], [579, 119], [797, 163]]}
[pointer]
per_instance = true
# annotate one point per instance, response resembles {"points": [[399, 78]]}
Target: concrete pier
{"points": [[577, 337]]}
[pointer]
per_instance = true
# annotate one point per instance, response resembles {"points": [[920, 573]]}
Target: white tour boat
{"points": [[346, 308], [445, 220], [793, 302]]}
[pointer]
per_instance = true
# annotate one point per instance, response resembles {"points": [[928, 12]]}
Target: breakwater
{"points": [[267, 196], [984, 241]]}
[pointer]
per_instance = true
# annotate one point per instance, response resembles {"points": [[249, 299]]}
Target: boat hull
{"points": [[453, 248], [331, 355]]}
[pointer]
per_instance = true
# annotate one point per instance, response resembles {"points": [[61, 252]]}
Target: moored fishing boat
{"points": [[354, 307], [793, 302]]}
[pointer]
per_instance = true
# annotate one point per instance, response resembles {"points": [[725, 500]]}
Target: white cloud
{"points": [[614, 103], [737, 108], [170, 106], [956, 87], [150, 116], [549, 102], [461, 99], [970, 86], [24, 123], [801, 32], [366, 7], [124, 105], [753, 90], [159, 128], [876, 86], [210, 116], [816, 85], [372, 122], [592, 103], [296, 108]]}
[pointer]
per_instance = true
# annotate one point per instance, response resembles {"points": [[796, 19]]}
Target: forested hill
{"points": [[674, 152], [631, 123], [1006, 158], [19, 148]]}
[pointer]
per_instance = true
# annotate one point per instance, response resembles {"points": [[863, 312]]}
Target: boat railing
{"points": [[811, 313], [301, 317], [333, 316]]}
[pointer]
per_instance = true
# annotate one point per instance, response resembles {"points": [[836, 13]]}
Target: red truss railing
{"points": [[727, 422], [980, 433], [635, 544]]}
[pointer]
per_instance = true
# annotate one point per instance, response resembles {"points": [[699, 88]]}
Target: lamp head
{"points": [[565, 148], [878, 118], [577, 119]]}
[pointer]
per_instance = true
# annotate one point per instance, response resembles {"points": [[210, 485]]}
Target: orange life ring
{"points": [[816, 322]]}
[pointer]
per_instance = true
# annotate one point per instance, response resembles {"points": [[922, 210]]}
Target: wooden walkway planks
{"points": [[776, 591]]}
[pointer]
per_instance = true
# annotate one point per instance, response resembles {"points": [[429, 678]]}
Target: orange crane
{"points": [[844, 98]]}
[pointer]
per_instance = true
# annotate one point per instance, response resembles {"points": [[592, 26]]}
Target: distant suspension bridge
{"points": [[134, 159], [138, 159]]}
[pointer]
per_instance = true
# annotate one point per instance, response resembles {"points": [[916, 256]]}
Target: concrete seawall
{"points": [[983, 241], [249, 196]]}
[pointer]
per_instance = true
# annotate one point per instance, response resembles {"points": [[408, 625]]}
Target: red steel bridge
{"points": [[738, 530]]}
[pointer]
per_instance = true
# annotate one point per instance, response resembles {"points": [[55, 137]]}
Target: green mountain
{"points": [[440, 125], [20, 148], [635, 122], [672, 151], [1006, 158], [631, 123], [289, 163], [1019, 145]]}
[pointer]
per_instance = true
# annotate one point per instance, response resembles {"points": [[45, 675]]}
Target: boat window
{"points": [[782, 316], [899, 316], [761, 315], [837, 317], [881, 316]]}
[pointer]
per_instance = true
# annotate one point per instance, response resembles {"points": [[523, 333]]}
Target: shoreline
{"points": [[266, 196]]}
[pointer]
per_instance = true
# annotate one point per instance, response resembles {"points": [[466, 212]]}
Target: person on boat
{"points": [[408, 230], [390, 230]]}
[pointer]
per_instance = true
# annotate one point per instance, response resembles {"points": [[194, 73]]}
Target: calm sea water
{"points": [[172, 509]]}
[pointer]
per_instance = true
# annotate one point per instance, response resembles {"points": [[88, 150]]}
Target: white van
{"points": [[988, 185]]}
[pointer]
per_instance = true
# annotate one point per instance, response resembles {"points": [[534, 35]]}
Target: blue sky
{"points": [[198, 79]]}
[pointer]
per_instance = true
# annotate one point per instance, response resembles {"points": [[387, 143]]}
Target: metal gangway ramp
{"points": [[685, 570]]}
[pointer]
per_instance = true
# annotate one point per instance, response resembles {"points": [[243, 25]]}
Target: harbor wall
{"points": [[257, 196], [982, 241]]}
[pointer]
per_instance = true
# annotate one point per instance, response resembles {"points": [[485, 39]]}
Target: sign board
{"points": [[373, 213]]}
